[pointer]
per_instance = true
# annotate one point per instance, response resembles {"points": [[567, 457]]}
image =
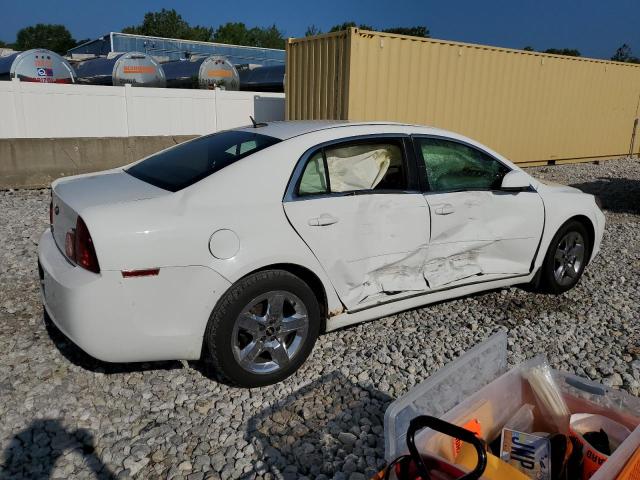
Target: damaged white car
{"points": [[240, 247]]}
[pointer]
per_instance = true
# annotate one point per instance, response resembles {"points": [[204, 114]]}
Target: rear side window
{"points": [[314, 177], [355, 166], [453, 166], [190, 162]]}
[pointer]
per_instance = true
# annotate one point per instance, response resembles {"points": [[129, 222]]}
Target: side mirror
{"points": [[515, 181]]}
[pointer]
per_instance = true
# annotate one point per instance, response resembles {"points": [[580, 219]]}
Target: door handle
{"points": [[445, 209], [323, 220]]}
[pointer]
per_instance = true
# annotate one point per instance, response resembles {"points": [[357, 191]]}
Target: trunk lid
{"points": [[71, 196]]}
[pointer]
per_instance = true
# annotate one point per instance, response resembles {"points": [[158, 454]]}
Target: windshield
{"points": [[190, 162]]}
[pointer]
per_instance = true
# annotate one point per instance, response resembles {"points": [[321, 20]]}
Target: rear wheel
{"points": [[262, 329], [566, 258]]}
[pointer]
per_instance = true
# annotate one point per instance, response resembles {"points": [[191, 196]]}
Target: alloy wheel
{"points": [[569, 258], [269, 332]]}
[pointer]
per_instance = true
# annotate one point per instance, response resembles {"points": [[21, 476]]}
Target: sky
{"points": [[595, 27]]}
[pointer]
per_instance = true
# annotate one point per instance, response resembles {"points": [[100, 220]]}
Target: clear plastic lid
{"points": [[445, 389]]}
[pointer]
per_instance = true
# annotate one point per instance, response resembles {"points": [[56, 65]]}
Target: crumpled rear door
{"points": [[369, 243]]}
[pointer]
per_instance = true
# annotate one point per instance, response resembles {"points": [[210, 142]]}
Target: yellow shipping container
{"points": [[529, 106]]}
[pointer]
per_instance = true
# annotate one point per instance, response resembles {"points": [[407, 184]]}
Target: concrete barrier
{"points": [[35, 162]]}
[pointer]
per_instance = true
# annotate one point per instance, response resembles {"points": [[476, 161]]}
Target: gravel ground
{"points": [[65, 415]]}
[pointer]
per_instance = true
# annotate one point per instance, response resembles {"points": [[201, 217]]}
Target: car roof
{"points": [[293, 128], [285, 130]]}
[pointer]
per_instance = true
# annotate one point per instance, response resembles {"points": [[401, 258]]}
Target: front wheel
{"points": [[566, 258], [262, 329]]}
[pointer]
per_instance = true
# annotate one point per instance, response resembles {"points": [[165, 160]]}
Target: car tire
{"points": [[566, 258], [262, 329]]}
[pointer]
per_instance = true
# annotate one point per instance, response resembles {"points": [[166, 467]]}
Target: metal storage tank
{"points": [[37, 65], [262, 79], [134, 68], [210, 72], [532, 107], [176, 49]]}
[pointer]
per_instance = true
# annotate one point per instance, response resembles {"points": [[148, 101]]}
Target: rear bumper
{"points": [[128, 320]]}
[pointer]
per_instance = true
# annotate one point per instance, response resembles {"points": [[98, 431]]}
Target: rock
{"points": [[614, 380], [158, 456], [202, 460], [203, 406], [347, 438], [349, 467], [357, 476], [168, 420], [134, 465]]}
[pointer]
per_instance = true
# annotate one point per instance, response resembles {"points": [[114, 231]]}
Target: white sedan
{"points": [[242, 246]]}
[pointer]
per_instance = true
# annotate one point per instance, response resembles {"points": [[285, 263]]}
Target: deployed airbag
{"points": [[359, 171]]}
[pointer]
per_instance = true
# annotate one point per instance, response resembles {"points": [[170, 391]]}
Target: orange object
{"points": [[138, 69], [219, 73], [631, 470], [380, 475], [473, 426], [592, 459], [591, 462]]}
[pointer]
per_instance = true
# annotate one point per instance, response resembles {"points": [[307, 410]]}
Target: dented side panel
{"points": [[393, 244], [478, 233], [449, 262], [378, 243]]}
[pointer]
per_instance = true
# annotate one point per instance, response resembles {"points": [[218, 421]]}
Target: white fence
{"points": [[39, 110]]}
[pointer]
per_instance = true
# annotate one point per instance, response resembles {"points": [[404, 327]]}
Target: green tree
{"points": [[169, 24], [570, 52], [43, 35], [237, 33], [624, 54], [417, 31], [348, 25], [268, 37], [312, 31], [528, 48]]}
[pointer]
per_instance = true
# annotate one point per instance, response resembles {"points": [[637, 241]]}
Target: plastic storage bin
{"points": [[479, 386]]}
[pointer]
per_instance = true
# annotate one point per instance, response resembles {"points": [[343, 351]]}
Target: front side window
{"points": [[452, 166], [190, 162], [355, 166]]}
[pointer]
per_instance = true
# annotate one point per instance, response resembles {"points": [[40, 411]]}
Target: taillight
{"points": [[51, 213], [84, 251], [70, 245]]}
